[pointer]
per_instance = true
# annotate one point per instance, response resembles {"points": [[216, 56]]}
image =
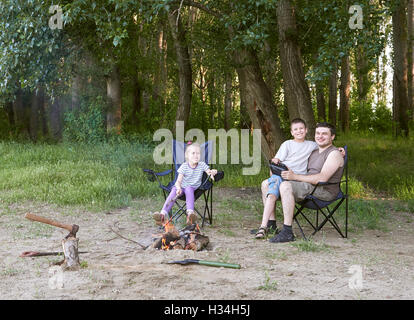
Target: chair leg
{"points": [[329, 217]]}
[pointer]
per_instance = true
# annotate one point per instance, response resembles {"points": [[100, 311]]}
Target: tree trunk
{"points": [[21, 117], [160, 77], [211, 91], [55, 122], [76, 91], [43, 114], [184, 66], [400, 70], [297, 95], [258, 100], [362, 69], [113, 91], [34, 115], [136, 98], [10, 114], [227, 100], [410, 60], [333, 90], [320, 101], [345, 90]]}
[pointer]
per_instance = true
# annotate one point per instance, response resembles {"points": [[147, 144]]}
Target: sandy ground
{"points": [[114, 268]]}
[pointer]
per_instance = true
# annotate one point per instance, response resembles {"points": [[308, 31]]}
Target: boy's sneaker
{"points": [[283, 236]]}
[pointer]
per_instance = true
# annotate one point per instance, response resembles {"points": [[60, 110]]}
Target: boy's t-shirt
{"points": [[295, 154], [192, 177]]}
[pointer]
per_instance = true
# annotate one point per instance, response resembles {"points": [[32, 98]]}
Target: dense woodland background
{"points": [[126, 67], [121, 69]]}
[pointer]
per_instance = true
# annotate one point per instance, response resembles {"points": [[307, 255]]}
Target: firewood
{"points": [[70, 251]]}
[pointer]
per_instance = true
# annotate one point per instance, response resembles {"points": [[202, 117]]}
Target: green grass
{"points": [[381, 164], [309, 246], [94, 176], [109, 175], [268, 284]]}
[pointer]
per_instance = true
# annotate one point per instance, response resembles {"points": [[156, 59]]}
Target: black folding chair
{"points": [[205, 191], [325, 208]]}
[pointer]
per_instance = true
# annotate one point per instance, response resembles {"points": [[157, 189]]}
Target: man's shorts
{"points": [[274, 184], [302, 189]]}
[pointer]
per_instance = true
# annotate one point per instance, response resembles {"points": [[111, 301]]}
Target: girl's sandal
{"points": [[159, 218], [261, 233]]}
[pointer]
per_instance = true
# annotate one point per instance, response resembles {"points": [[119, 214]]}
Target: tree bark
{"points": [[258, 100], [400, 70], [320, 101], [184, 66], [362, 69], [55, 122], [34, 116], [113, 91], [345, 90], [410, 60], [333, 90], [227, 100], [136, 98], [10, 114], [297, 95], [76, 91], [21, 117], [160, 77]]}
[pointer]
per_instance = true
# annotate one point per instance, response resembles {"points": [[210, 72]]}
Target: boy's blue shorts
{"points": [[274, 184]]}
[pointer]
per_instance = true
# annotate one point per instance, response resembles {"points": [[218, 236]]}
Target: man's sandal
{"points": [[261, 233]]}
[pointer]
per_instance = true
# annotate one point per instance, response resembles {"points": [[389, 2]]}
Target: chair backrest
{"points": [[178, 149], [345, 171]]}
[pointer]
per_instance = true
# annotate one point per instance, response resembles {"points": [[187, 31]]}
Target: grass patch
{"points": [[309, 246], [109, 175], [382, 163], [268, 284]]}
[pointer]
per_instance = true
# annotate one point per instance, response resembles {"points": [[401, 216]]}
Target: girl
{"points": [[189, 179]]}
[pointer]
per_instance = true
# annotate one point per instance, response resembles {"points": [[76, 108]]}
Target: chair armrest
{"points": [[320, 184], [159, 174], [152, 175]]}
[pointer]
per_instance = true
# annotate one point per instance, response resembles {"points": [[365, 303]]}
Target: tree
{"points": [[400, 101], [297, 93]]}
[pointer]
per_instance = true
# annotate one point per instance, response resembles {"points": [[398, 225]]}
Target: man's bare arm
{"points": [[332, 163]]}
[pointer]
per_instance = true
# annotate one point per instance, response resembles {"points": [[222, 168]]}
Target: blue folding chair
{"points": [[205, 189], [326, 208]]}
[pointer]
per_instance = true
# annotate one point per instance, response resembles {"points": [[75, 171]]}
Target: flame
{"points": [[164, 245], [168, 226]]}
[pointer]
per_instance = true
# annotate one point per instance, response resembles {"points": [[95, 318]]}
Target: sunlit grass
{"points": [[109, 175]]}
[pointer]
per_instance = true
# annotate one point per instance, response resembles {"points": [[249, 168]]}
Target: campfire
{"points": [[188, 238]]}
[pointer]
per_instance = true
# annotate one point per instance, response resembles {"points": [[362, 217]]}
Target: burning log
{"points": [[188, 238]]}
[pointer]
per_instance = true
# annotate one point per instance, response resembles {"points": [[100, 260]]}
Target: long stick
{"points": [[121, 236]]}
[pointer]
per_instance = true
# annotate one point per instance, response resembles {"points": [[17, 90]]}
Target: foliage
{"points": [[31, 52], [87, 124]]}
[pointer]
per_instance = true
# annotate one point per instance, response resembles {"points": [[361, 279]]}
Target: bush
{"points": [[86, 125], [382, 119]]}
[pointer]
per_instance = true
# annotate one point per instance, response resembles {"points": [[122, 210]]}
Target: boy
{"points": [[294, 154]]}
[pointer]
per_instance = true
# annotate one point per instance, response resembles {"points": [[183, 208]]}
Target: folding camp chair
{"points": [[205, 190], [325, 208]]}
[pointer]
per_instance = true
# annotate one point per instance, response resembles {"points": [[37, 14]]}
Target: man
{"points": [[324, 165]]}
